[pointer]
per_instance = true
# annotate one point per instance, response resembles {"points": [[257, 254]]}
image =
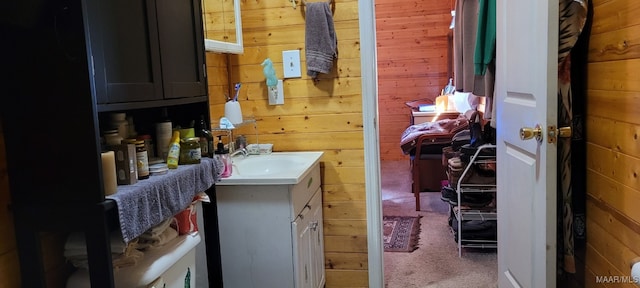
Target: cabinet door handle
{"points": [[306, 274], [304, 211]]}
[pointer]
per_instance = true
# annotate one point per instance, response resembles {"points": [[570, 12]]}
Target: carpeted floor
{"points": [[435, 263]]}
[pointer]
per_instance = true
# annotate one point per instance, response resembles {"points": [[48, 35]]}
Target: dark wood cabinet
{"points": [[145, 51], [181, 46], [126, 59], [65, 65]]}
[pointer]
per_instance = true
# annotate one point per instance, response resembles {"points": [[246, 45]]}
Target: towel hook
{"points": [[304, 2]]}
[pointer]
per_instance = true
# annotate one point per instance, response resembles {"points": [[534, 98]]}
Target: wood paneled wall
{"points": [[327, 116], [413, 62], [324, 116], [613, 147]]}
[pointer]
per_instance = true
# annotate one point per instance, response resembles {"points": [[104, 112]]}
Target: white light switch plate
{"points": [[291, 63]]}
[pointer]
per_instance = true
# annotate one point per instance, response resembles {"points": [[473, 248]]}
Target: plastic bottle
{"points": [[449, 88], [164, 129], [173, 156]]}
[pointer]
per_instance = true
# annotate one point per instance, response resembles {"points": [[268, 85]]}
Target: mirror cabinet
{"points": [[222, 26]]}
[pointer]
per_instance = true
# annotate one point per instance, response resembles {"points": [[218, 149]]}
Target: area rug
{"points": [[400, 233]]}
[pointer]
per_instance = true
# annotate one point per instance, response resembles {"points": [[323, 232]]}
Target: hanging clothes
{"points": [[485, 50], [474, 50], [464, 43], [574, 30], [484, 58]]}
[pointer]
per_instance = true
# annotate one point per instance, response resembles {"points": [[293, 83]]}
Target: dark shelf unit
{"points": [[59, 62]]}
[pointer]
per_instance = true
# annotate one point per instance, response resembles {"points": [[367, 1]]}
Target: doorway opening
{"points": [[420, 72]]}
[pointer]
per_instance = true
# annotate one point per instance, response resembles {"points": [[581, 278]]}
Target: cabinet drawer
{"points": [[301, 193]]}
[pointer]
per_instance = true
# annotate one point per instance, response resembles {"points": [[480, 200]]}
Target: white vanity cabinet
{"points": [[309, 266], [271, 235]]}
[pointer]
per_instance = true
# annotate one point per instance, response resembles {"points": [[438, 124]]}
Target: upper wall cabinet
{"points": [[146, 52], [222, 26]]}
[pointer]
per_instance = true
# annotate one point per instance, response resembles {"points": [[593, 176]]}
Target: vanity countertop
{"points": [[277, 168]]}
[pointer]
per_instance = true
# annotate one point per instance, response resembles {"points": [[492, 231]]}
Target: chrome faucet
{"points": [[242, 151]]}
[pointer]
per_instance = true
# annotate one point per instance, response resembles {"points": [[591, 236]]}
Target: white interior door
{"points": [[526, 89]]}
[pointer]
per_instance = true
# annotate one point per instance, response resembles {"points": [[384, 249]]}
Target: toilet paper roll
{"points": [[109, 173], [233, 112]]}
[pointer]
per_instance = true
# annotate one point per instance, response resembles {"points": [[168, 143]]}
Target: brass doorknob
{"points": [[527, 133]]}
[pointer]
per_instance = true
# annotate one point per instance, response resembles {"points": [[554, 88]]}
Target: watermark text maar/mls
{"points": [[617, 279]]}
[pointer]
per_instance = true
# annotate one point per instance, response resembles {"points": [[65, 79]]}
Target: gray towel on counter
{"points": [[151, 201], [320, 38]]}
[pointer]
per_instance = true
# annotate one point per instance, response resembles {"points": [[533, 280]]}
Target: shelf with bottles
{"points": [[247, 130], [244, 123]]}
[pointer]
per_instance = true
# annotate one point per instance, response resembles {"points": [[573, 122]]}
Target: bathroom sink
{"points": [[275, 168], [269, 165]]}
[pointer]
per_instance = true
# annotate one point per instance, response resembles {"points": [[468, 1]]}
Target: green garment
{"points": [[486, 36]]}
